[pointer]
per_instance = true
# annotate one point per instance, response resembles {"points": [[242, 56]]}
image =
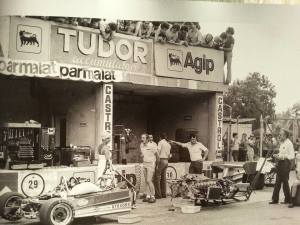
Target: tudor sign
{"points": [[87, 48]]}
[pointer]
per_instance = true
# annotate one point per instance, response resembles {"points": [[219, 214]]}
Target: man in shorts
{"points": [[150, 156], [228, 47]]}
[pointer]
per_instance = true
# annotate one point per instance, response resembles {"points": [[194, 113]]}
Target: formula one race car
{"points": [[204, 190], [69, 200]]}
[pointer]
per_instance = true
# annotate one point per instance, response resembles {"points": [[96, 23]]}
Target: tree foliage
{"points": [[252, 97], [285, 118]]}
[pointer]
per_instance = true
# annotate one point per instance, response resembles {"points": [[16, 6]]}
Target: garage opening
{"points": [[142, 109]]}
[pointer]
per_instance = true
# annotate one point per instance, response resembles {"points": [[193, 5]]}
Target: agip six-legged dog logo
{"points": [[29, 39], [175, 60]]}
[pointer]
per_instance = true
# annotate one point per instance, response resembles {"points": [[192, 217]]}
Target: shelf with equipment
{"points": [[24, 145]]}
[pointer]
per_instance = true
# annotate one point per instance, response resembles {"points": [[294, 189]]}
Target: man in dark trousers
{"points": [[164, 149], [195, 149], [284, 157]]}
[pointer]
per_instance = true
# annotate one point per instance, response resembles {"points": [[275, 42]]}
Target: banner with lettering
{"points": [[194, 63], [85, 47]]}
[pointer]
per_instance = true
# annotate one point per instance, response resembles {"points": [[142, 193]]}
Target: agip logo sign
{"points": [[176, 62], [192, 63], [29, 39], [175, 58]]}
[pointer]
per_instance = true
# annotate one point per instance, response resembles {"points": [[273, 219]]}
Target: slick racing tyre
{"points": [[10, 206], [57, 212]]}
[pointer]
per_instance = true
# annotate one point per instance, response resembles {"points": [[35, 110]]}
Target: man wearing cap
{"points": [[284, 157]]}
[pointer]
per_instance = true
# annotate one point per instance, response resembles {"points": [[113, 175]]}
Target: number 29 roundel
{"points": [[33, 185]]}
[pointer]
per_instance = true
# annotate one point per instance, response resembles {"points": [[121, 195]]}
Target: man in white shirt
{"points": [[284, 157], [195, 149], [150, 156], [164, 150]]}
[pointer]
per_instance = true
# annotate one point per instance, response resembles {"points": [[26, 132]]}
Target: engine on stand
{"points": [[203, 189]]}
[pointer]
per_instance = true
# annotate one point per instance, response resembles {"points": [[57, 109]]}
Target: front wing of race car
{"points": [[101, 203]]}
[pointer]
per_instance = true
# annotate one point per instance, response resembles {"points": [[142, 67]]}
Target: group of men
{"points": [[242, 150], [155, 162], [156, 156]]}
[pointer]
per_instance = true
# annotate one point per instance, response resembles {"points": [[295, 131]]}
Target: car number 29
{"points": [[33, 185]]}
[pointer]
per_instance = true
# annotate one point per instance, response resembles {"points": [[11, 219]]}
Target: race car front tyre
{"points": [[57, 212], [10, 205]]}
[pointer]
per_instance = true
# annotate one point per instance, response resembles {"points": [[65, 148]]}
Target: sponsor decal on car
{"points": [[121, 205], [82, 202]]}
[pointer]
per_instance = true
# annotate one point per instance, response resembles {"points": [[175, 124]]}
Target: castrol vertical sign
{"points": [[108, 110], [219, 121]]}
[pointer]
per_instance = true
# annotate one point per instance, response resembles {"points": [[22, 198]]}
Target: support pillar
{"points": [[103, 114], [215, 112]]}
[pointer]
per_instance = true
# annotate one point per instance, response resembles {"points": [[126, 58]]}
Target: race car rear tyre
{"points": [[10, 203], [57, 212]]}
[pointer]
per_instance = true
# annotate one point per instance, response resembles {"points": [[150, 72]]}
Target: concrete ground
{"points": [[255, 211]]}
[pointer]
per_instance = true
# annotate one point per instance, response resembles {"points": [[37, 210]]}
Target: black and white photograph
{"points": [[149, 112]]}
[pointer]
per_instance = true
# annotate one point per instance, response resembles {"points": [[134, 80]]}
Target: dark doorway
{"points": [[63, 132]]}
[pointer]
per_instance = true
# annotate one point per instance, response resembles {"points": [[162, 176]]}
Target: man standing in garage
{"points": [[164, 149], [195, 149]]}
